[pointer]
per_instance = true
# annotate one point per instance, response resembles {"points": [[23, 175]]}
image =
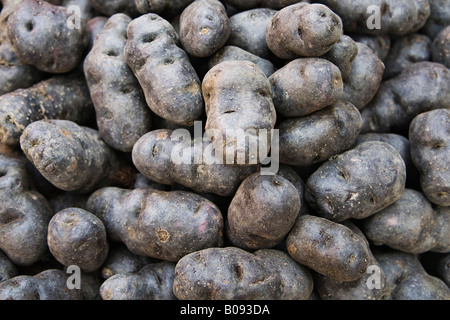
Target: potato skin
{"points": [[36, 27], [121, 111], [158, 224], [303, 29], [357, 183], [7, 268], [64, 97], [320, 135], [399, 142], [365, 77], [232, 273], [430, 149], [172, 7], [78, 237], [274, 4], [228, 53], [360, 289], [246, 106], [439, 18], [405, 51], [204, 27], [70, 156], [121, 260], [410, 224], [153, 282], [248, 31], [24, 215], [152, 156], [380, 44], [397, 17], [13, 74], [328, 248], [170, 83], [47, 285], [262, 212], [109, 8], [342, 54], [408, 278], [305, 85], [398, 101], [440, 50]]}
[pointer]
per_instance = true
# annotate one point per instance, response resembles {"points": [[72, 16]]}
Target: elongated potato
{"points": [[24, 214], [158, 224], [233, 273], [170, 83], [430, 151], [328, 248], [320, 135], [121, 111], [73, 157], [166, 157], [238, 101], [410, 224], [64, 97], [396, 17], [358, 182], [398, 101]]}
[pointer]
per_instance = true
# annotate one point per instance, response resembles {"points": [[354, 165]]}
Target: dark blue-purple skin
{"points": [[73, 157], [248, 31], [170, 83], [232, 273], [164, 7], [158, 224], [13, 74], [63, 97], [406, 51], [41, 37], [8, 269], [408, 278], [357, 183], [24, 215], [122, 260], [410, 224], [328, 247], [204, 28], [439, 18], [303, 30], [396, 17], [273, 4], [153, 281], [78, 237], [121, 111], [430, 142], [398, 100], [262, 212], [316, 137], [47, 285], [109, 8], [440, 51]]}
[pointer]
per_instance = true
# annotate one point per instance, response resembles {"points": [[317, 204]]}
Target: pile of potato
{"points": [[124, 168]]}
